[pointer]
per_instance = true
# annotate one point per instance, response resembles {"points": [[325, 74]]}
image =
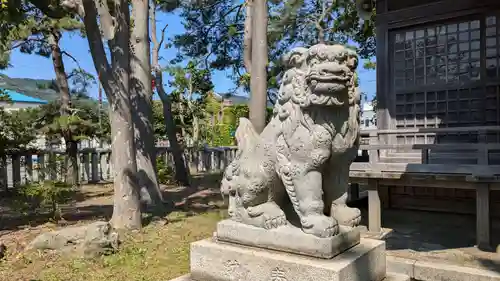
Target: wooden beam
{"points": [[483, 218], [374, 208], [440, 146], [16, 170], [476, 129], [353, 191], [385, 103], [441, 10], [432, 169]]}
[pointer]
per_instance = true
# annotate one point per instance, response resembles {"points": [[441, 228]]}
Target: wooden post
{"points": [[218, 164], [482, 153], [211, 165], [374, 209], [52, 166], [104, 165], [425, 156], [199, 162], [483, 218], [95, 166], [353, 191], [373, 154], [41, 167], [225, 161], [165, 156], [86, 167], [3, 172], [16, 170], [29, 167]]}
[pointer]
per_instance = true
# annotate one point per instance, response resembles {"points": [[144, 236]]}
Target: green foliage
{"points": [[80, 81], [17, 129], [26, 27], [298, 22], [238, 111], [220, 135], [214, 33], [192, 86], [370, 64], [4, 96], [85, 121], [164, 172], [45, 195], [159, 128]]}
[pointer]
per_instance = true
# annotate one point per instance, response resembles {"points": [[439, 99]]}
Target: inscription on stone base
{"points": [[288, 239], [364, 262]]}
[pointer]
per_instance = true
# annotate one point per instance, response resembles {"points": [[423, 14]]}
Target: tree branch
{"points": [[321, 20], [108, 22], [72, 58], [25, 41], [162, 36], [96, 47]]}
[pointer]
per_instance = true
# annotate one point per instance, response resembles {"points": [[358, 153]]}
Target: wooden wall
{"points": [[438, 65]]}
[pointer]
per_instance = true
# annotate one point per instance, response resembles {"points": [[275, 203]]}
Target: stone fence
{"points": [[21, 167]]}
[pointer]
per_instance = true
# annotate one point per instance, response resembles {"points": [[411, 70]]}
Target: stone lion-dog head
{"points": [[319, 75]]}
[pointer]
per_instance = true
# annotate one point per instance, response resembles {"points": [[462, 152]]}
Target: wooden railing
{"points": [[459, 166], [21, 167], [445, 158]]}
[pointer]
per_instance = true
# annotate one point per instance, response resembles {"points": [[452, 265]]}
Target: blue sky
{"points": [[33, 66]]}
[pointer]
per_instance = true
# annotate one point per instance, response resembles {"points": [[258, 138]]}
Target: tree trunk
{"points": [[71, 163], [258, 77], [196, 130], [181, 116], [247, 37], [115, 81], [182, 175], [142, 113]]}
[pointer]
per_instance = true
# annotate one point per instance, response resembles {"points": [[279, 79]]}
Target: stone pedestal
{"points": [[290, 257], [287, 238]]}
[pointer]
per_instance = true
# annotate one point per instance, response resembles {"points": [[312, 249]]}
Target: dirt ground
{"points": [[161, 247], [160, 251], [438, 237]]}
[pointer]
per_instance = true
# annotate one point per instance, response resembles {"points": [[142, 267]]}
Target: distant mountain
{"points": [[47, 90], [37, 88]]}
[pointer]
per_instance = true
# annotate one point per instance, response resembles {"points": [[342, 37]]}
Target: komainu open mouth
{"points": [[328, 78]]}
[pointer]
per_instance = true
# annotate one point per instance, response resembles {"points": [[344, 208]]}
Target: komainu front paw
{"points": [[268, 215], [346, 215], [320, 225]]}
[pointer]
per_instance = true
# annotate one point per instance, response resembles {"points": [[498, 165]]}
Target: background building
{"points": [[19, 101], [368, 116]]}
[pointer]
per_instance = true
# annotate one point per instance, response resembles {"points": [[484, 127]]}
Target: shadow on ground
{"points": [[436, 237], [95, 202]]}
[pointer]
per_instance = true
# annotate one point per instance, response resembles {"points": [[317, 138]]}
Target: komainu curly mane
{"points": [[299, 164]]}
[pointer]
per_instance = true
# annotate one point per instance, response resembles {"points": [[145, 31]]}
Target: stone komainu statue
{"points": [[297, 170]]}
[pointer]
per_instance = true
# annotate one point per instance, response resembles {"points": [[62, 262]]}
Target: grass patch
{"points": [[157, 252]]}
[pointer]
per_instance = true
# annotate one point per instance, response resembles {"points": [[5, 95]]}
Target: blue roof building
{"points": [[20, 98]]}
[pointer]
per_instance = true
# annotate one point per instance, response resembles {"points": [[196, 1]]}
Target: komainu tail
{"points": [[246, 136]]}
